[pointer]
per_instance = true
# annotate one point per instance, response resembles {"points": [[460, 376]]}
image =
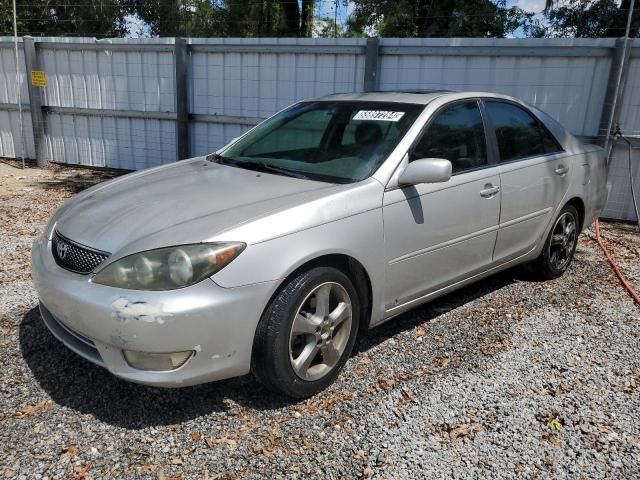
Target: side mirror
{"points": [[426, 170]]}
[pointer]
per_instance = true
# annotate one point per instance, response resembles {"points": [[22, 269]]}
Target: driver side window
{"points": [[456, 134]]}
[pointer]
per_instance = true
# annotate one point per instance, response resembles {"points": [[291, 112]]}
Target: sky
{"points": [[326, 8], [529, 5]]}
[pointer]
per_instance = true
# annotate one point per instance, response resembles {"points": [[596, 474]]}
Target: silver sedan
{"points": [[331, 217]]}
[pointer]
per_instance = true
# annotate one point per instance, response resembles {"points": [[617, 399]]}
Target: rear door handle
{"points": [[489, 191], [561, 170]]}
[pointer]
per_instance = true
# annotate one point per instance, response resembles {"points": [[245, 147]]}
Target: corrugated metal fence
{"points": [[132, 103]]}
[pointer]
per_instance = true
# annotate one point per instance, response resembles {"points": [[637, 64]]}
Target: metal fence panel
{"points": [[8, 76], [109, 79], [11, 145], [127, 143], [566, 78], [630, 105], [11, 142], [246, 81], [620, 203], [118, 80]]}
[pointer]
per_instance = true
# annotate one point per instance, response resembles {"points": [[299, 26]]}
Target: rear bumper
{"points": [[98, 322]]}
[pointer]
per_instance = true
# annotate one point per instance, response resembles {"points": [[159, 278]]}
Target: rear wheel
{"points": [[306, 334], [560, 245]]}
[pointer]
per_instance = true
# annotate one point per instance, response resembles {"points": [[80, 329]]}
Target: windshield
{"points": [[338, 142]]}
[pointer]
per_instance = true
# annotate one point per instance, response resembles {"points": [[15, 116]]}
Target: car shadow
{"points": [[84, 387]]}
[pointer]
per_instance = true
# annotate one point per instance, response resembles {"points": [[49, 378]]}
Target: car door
{"points": [[438, 233], [534, 177]]}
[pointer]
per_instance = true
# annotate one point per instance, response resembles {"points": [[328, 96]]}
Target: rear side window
{"points": [[456, 134], [518, 133]]}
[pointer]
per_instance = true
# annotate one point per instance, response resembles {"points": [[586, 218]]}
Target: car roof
{"points": [[418, 97]]}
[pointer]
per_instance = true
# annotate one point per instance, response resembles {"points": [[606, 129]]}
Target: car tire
{"points": [[558, 250], [306, 333]]}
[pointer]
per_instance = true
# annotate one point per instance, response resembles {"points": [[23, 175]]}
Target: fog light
{"points": [[160, 362]]}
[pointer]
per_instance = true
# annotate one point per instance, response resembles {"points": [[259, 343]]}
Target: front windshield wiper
{"points": [[251, 165], [283, 171]]}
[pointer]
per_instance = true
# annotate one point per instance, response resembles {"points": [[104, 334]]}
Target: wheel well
{"points": [[578, 204], [350, 267]]}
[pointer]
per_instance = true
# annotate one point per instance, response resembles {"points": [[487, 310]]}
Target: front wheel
{"points": [[560, 245], [306, 333]]}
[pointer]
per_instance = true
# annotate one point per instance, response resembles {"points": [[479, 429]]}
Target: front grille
{"points": [[75, 257]]}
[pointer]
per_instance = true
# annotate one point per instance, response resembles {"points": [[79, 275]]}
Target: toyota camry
{"points": [[329, 218]]}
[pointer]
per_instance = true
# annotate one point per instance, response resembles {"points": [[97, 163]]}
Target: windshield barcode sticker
{"points": [[380, 115]]}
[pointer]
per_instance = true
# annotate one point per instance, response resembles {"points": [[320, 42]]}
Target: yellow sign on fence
{"points": [[38, 78]]}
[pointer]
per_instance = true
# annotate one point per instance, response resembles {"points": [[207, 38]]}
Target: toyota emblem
{"points": [[62, 249]]}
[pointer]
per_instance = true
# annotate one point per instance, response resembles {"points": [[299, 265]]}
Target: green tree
{"points": [[222, 18], [297, 17], [99, 18], [588, 18], [440, 18]]}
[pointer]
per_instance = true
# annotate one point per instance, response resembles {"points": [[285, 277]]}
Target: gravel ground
{"points": [[509, 378]]}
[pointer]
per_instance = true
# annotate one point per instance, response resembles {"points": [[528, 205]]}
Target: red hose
{"points": [[623, 280]]}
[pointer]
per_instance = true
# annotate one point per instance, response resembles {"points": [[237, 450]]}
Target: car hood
{"points": [[187, 202]]}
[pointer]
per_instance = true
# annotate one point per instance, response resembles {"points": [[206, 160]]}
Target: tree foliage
{"points": [[165, 18], [295, 18], [98, 18], [238, 18], [588, 18], [442, 18]]}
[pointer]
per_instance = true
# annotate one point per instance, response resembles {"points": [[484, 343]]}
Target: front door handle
{"points": [[561, 170], [489, 191]]}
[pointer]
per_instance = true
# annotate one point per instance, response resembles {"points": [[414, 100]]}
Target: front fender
{"points": [[359, 236]]}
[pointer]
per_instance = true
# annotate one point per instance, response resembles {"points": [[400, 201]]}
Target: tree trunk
{"points": [[169, 19], [291, 17], [306, 18], [269, 21], [421, 19]]}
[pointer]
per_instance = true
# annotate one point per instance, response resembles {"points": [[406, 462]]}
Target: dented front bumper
{"points": [[99, 322]]}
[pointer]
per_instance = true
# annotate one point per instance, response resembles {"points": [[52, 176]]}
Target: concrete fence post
{"points": [[35, 99], [182, 100], [371, 82], [615, 90]]}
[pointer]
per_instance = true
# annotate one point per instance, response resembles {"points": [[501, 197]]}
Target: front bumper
{"points": [[98, 322]]}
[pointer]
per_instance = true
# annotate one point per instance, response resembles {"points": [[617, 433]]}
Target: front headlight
{"points": [[168, 268]]}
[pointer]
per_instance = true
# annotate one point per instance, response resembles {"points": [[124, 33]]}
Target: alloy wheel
{"points": [[563, 239], [320, 331]]}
